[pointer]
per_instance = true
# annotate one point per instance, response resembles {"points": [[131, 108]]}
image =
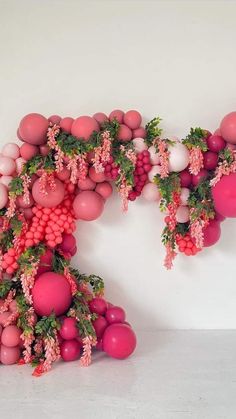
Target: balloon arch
{"points": [[65, 170]]}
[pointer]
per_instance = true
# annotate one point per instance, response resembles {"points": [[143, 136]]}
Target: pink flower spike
{"points": [[195, 160], [170, 256], [86, 358]]}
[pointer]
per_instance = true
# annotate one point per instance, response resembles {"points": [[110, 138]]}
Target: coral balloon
{"points": [[52, 198], [66, 124], [228, 128], [86, 184], [33, 129], [132, 119], [96, 177], [22, 204], [11, 150], [3, 196], [9, 356], [70, 350], [51, 293], [27, 151], [150, 192], [118, 115], [88, 205], [139, 132], [211, 233], [83, 127], [178, 157], [224, 195], [119, 341], [7, 166], [139, 145], [100, 117], [104, 189], [11, 336]]}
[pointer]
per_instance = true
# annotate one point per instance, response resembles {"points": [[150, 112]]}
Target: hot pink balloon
{"points": [[151, 193], [45, 264], [88, 205], [212, 233], [68, 243], [7, 166], [228, 128], [3, 196], [119, 341], [33, 129], [54, 196], [83, 127], [100, 325], [69, 328], [216, 143], [11, 150], [70, 350], [224, 195]]}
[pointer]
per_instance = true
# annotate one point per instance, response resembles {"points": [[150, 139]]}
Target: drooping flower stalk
{"points": [[71, 280], [195, 160], [163, 153], [26, 182], [102, 153], [7, 301], [124, 190], [27, 279], [88, 343], [170, 256]]}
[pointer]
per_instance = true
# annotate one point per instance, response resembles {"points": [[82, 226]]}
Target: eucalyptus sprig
{"points": [[196, 138]]}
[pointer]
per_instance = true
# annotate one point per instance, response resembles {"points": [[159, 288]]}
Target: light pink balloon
{"points": [[150, 192], [11, 150], [184, 195], [7, 166], [178, 157], [154, 156], [9, 356], [155, 170], [19, 164], [139, 145], [182, 214], [6, 180], [3, 196]]}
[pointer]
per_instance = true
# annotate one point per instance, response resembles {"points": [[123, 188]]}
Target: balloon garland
{"points": [[63, 172]]}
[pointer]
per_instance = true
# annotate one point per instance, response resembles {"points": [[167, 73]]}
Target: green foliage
{"points": [[29, 256], [5, 287], [226, 155], [95, 281], [200, 200], [6, 239], [196, 138], [47, 326], [16, 225], [16, 187], [126, 166], [167, 186], [111, 126], [153, 130], [85, 318]]}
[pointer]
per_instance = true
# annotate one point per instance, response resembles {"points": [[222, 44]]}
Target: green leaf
{"points": [[167, 186], [16, 187], [5, 287], [153, 130], [196, 138], [47, 326]]}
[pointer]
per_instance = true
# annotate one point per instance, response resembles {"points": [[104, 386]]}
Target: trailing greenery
{"points": [[167, 186], [196, 138], [153, 130]]}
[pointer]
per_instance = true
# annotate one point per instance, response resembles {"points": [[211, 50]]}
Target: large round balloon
{"points": [[211, 233], [224, 195], [119, 341], [84, 126], [53, 197], [178, 157], [33, 129], [228, 128], [51, 294], [88, 205]]}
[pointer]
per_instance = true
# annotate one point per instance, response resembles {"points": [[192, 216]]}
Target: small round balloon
{"points": [[211, 233], [228, 128], [119, 341]]}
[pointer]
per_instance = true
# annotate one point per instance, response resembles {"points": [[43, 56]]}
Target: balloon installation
{"points": [[63, 170]]}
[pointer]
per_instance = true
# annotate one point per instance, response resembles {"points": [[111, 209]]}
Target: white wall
{"points": [[173, 59]]}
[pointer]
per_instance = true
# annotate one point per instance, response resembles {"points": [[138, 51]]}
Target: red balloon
{"points": [[216, 143], [196, 179], [210, 160], [212, 233], [185, 179], [98, 305], [66, 124], [88, 205], [51, 293], [228, 128], [70, 350], [33, 129], [54, 196], [119, 341], [224, 195], [83, 127], [45, 264], [69, 329], [115, 315], [100, 325]]}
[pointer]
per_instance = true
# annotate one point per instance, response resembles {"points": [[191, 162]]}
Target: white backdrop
{"points": [[173, 59]]}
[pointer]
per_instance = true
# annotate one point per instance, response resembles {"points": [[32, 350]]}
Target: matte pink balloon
{"points": [[104, 189], [132, 119], [28, 214], [64, 174], [117, 114], [211, 233], [69, 329], [228, 128], [7, 166], [139, 132], [185, 178], [196, 179], [13, 307], [68, 242], [86, 184], [11, 336], [9, 356], [119, 341], [54, 119], [70, 350], [100, 117], [33, 129], [4, 317], [66, 124], [124, 133], [27, 151], [3, 196], [216, 143], [45, 264], [1, 329], [19, 164], [11, 150], [6, 180], [210, 160], [54, 196], [182, 214], [88, 205], [139, 145], [51, 293], [83, 127], [44, 150], [22, 204], [151, 193], [96, 177], [98, 305], [224, 196]]}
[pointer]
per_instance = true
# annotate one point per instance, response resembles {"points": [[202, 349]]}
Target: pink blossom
{"points": [[26, 182], [27, 279], [124, 191], [52, 352], [12, 319], [72, 165], [164, 158], [52, 133], [86, 357], [223, 169], [102, 153], [170, 256], [195, 160], [11, 206], [27, 338], [71, 281], [7, 301]]}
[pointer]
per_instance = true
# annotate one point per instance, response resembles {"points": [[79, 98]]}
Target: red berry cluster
{"points": [[111, 169], [142, 168], [187, 245], [9, 263]]}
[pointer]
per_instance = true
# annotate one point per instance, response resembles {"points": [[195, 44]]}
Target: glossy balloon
{"points": [[119, 341], [224, 195], [228, 128]]}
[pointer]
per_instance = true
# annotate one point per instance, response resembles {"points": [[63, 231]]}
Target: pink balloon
{"points": [[54, 119], [88, 205], [184, 195], [185, 178], [100, 325], [119, 341], [3, 196], [44, 150], [182, 214], [155, 170], [1, 328], [117, 114], [66, 124], [9, 356], [151, 193], [212, 233], [70, 350], [4, 317], [154, 156], [11, 336], [33, 129], [11, 150], [28, 214], [217, 132], [22, 204], [96, 177], [54, 196], [124, 133], [196, 179], [132, 119], [100, 117], [224, 195], [13, 307], [28, 151], [178, 157], [45, 264], [104, 189], [228, 128], [68, 242], [115, 314], [64, 174], [69, 329], [86, 184], [139, 145], [7, 166], [83, 127], [98, 305], [19, 164], [51, 293], [139, 132], [216, 143]]}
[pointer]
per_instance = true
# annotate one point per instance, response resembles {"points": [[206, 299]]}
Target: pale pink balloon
{"points": [[139, 145], [9, 356], [88, 205], [150, 192], [11, 336], [6, 180], [184, 195], [96, 177], [86, 184], [178, 157], [27, 151], [3, 196], [182, 214], [228, 128], [155, 170], [54, 196], [154, 156], [7, 166], [104, 189], [11, 150], [19, 164]]}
